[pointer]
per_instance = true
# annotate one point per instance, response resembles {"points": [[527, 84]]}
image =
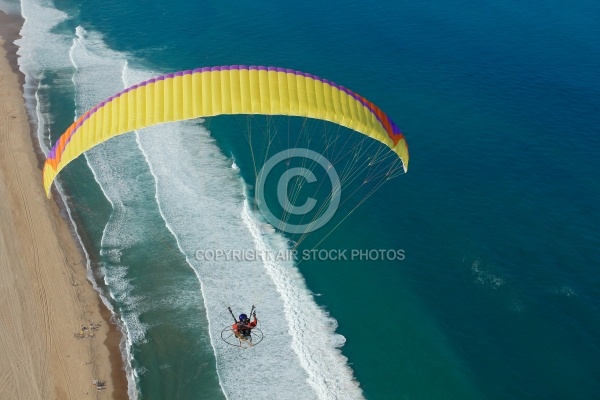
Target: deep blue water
{"points": [[498, 296]]}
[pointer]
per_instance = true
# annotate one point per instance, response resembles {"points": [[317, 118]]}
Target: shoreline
{"points": [[53, 302]]}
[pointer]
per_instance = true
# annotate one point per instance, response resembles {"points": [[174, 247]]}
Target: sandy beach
{"points": [[55, 334]]}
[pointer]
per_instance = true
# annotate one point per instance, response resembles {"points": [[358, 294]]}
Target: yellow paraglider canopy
{"points": [[208, 92]]}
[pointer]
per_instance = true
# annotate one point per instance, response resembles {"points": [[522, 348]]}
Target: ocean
{"points": [[492, 289]]}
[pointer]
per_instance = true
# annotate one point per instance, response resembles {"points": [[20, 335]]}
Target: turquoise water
{"points": [[497, 296]]}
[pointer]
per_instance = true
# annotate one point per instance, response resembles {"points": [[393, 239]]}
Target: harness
{"points": [[244, 329]]}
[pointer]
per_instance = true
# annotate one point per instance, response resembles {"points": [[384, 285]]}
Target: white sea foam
{"points": [[200, 199], [566, 291], [39, 51], [11, 7], [484, 276], [99, 75]]}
